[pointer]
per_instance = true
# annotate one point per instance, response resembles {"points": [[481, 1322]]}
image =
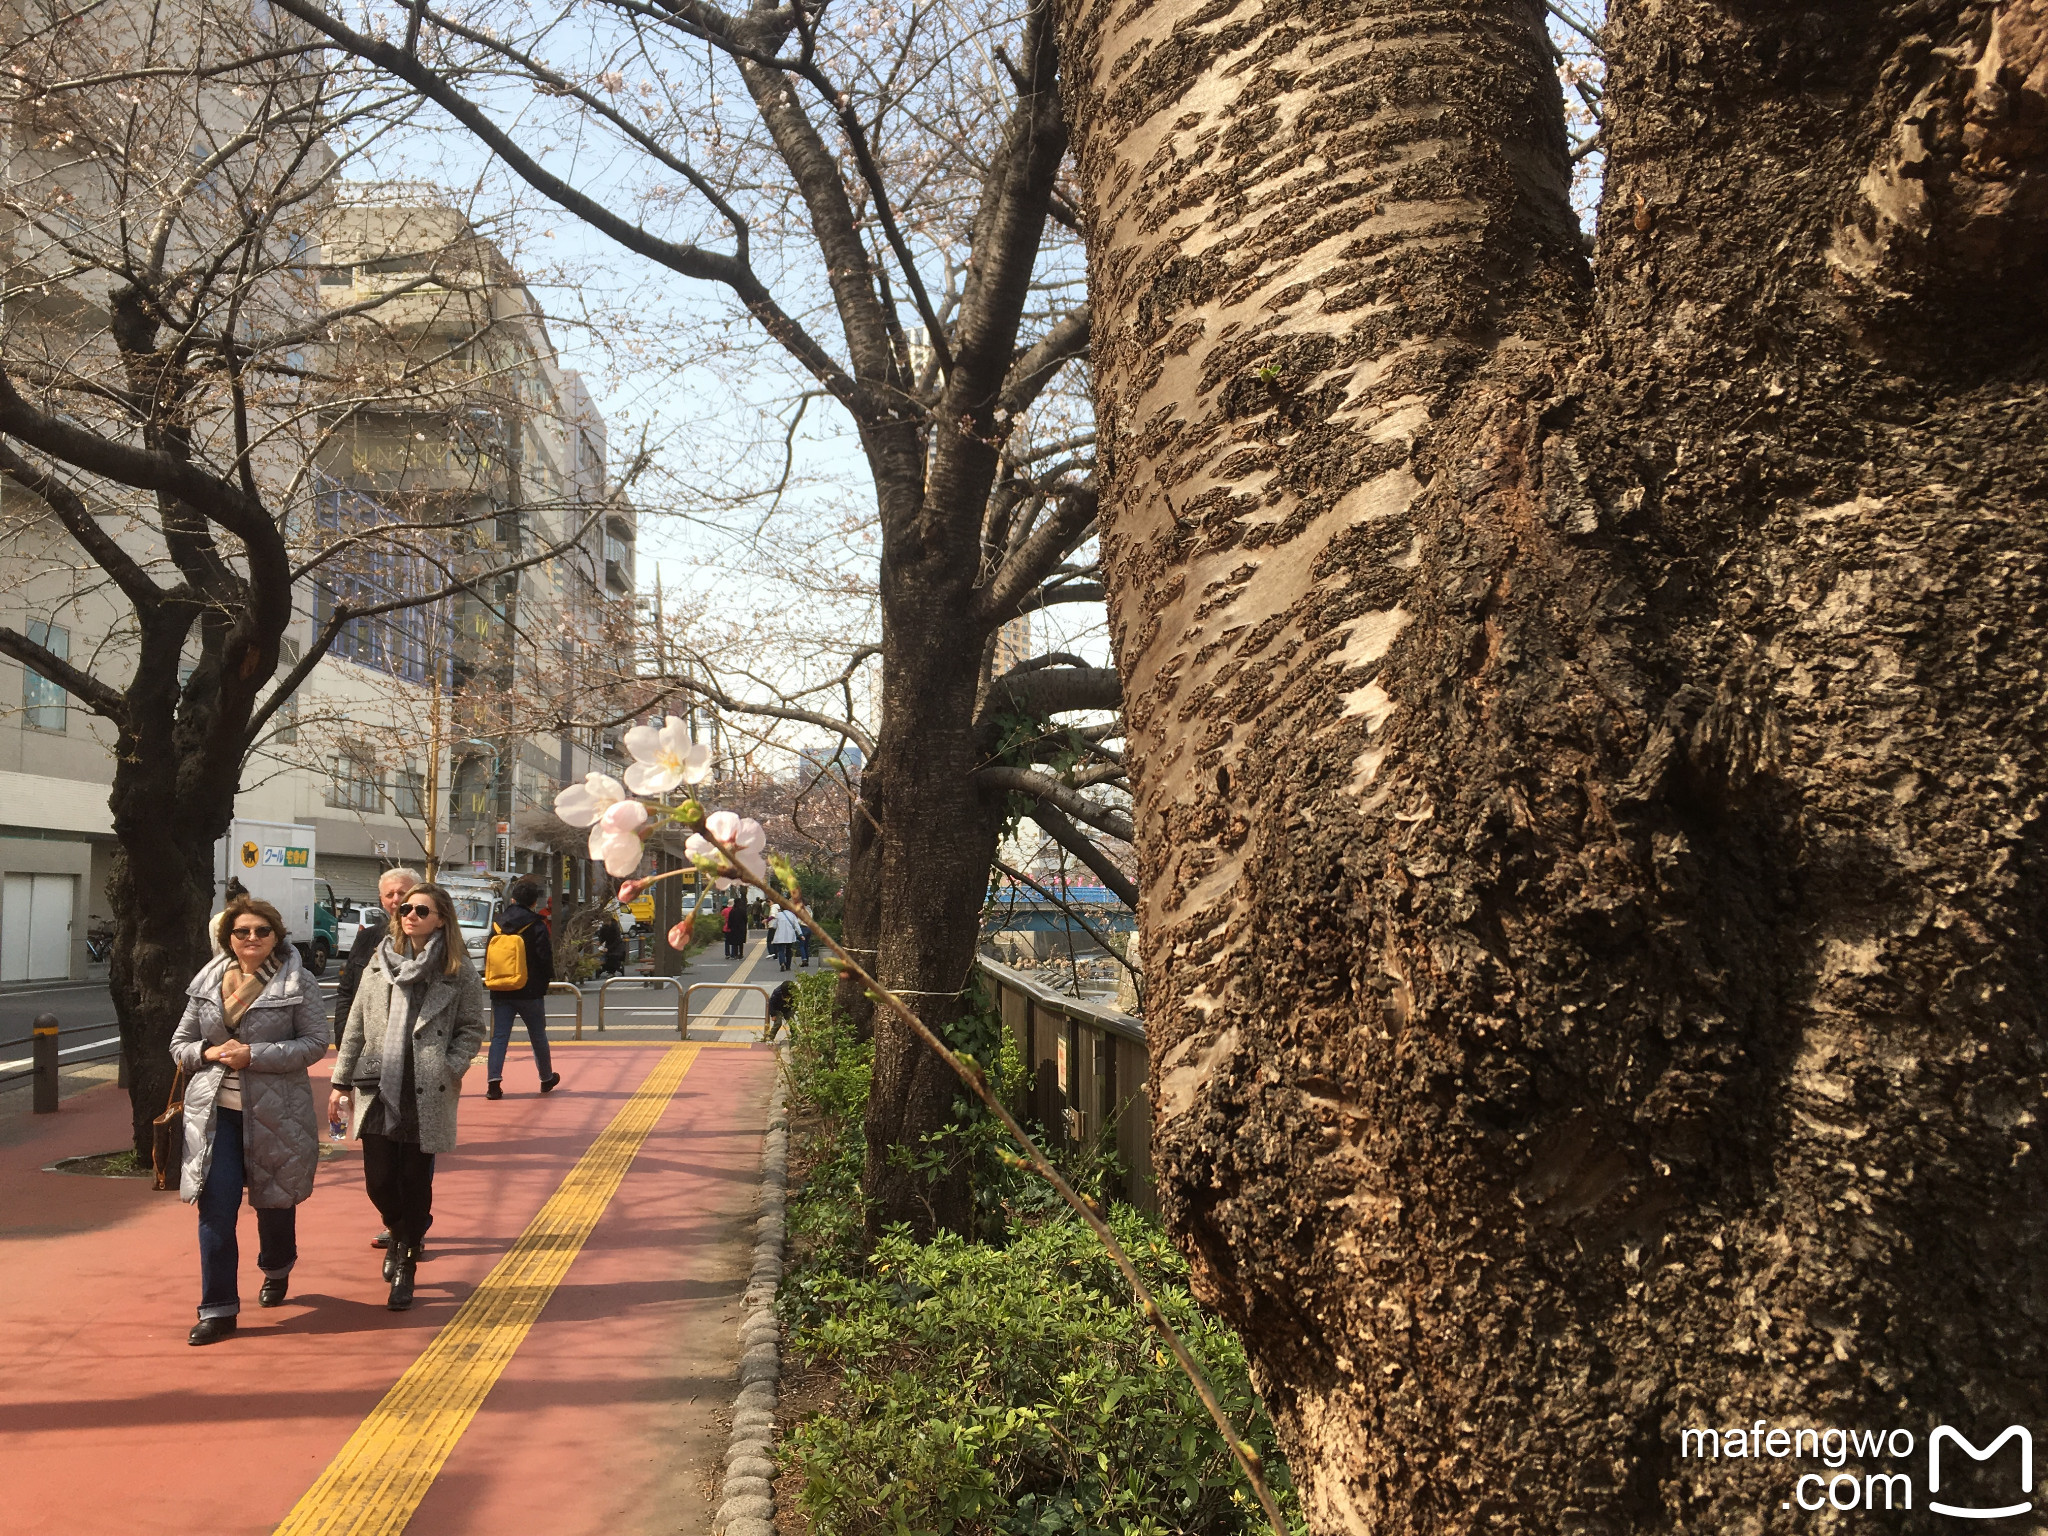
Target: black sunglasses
{"points": [[250, 933], [414, 910]]}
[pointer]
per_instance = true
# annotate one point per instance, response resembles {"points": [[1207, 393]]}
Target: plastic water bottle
{"points": [[336, 1129]]}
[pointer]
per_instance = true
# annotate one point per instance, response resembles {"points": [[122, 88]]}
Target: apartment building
{"points": [[425, 731], [493, 437]]}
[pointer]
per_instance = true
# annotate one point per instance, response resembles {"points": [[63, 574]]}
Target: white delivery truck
{"points": [[477, 899], [275, 862]]}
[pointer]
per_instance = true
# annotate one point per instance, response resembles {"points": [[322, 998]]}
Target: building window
{"points": [[358, 783], [409, 794], [408, 643], [42, 700]]}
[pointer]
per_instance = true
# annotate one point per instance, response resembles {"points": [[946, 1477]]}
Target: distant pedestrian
{"points": [[418, 1019], [253, 1024], [783, 932], [803, 942], [735, 929], [519, 986], [376, 922], [613, 942], [781, 1004]]}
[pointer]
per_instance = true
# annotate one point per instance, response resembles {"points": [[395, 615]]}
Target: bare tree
{"points": [[165, 393], [829, 209], [1585, 724]]}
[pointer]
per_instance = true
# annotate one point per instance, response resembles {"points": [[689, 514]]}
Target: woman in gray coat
{"points": [[253, 1024], [417, 1021]]}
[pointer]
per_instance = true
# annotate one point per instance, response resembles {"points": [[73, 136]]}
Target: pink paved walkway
{"points": [[607, 1419]]}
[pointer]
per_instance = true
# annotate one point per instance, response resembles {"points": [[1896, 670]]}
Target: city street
{"points": [[634, 1008], [564, 1371]]}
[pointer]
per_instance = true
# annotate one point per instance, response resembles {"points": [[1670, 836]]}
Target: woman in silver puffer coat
{"points": [[253, 1024]]}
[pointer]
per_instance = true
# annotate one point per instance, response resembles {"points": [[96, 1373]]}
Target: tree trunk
{"points": [[931, 871], [862, 921], [1586, 746], [168, 815]]}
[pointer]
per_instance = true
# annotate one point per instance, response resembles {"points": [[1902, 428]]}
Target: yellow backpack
{"points": [[504, 961]]}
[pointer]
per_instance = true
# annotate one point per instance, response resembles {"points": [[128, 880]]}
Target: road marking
{"points": [[727, 1005], [374, 1484]]}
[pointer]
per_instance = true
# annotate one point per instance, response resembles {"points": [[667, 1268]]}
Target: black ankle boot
{"points": [[210, 1330], [401, 1280]]}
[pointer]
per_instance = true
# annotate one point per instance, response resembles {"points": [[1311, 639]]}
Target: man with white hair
{"points": [[391, 888]]}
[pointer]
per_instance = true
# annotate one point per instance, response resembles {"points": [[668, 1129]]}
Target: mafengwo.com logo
{"points": [[1874, 1470]]}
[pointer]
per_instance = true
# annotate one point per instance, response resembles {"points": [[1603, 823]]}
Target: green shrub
{"points": [[1003, 1385], [1018, 1389]]}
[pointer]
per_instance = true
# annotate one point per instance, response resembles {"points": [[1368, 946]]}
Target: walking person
{"points": [[613, 942], [735, 929], [783, 931], [391, 888], [417, 1022], [253, 1024], [518, 965]]}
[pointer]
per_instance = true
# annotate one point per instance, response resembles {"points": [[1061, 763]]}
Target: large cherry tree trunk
{"points": [[1587, 726]]}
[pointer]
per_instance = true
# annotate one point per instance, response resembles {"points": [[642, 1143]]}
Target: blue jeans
{"points": [[534, 1012], [804, 942], [220, 1204]]}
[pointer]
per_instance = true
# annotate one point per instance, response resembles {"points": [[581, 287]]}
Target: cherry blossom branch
{"points": [[971, 1074]]}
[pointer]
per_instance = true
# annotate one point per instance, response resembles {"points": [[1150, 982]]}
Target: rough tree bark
{"points": [[1586, 726]]}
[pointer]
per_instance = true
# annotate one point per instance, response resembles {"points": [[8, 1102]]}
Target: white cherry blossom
{"points": [[749, 839], [616, 838], [666, 757], [581, 804]]}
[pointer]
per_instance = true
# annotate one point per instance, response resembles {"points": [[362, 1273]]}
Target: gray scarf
{"points": [[411, 976]]}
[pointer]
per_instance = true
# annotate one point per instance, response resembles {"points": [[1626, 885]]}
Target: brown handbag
{"points": [[167, 1136]]}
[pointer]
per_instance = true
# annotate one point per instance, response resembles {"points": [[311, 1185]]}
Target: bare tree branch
{"points": [[1081, 846], [1054, 691], [1038, 786]]}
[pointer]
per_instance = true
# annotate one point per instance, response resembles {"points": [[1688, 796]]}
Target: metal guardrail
{"points": [[575, 992], [683, 1022], [682, 997]]}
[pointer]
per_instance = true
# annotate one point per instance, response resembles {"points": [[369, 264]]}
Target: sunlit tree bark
{"points": [[1586, 725]]}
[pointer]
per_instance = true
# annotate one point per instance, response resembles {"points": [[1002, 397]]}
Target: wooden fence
{"points": [[1087, 1071]]}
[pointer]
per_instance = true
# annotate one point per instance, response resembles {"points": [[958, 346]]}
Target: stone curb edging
{"points": [[747, 1500]]}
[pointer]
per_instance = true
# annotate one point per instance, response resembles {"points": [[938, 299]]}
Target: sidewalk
{"points": [[565, 1370]]}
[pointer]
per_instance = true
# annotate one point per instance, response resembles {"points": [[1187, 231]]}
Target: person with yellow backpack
{"points": [[519, 962]]}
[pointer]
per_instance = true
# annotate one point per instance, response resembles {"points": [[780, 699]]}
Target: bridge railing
{"points": [[1088, 1067]]}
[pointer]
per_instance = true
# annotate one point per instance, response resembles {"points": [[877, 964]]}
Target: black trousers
{"points": [[400, 1179]]}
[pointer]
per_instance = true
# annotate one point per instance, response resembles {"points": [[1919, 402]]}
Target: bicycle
{"points": [[99, 943]]}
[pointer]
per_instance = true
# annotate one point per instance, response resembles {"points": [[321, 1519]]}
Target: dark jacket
{"points": [[735, 924], [369, 934], [540, 951]]}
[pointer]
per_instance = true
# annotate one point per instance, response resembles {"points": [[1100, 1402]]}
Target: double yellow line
{"points": [[374, 1484]]}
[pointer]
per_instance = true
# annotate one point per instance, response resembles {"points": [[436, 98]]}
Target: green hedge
{"points": [[993, 1386]]}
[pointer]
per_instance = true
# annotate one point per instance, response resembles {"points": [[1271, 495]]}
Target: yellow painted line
{"points": [[656, 1044], [376, 1482]]}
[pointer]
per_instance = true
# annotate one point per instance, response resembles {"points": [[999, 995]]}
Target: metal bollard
{"points": [[45, 1064]]}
